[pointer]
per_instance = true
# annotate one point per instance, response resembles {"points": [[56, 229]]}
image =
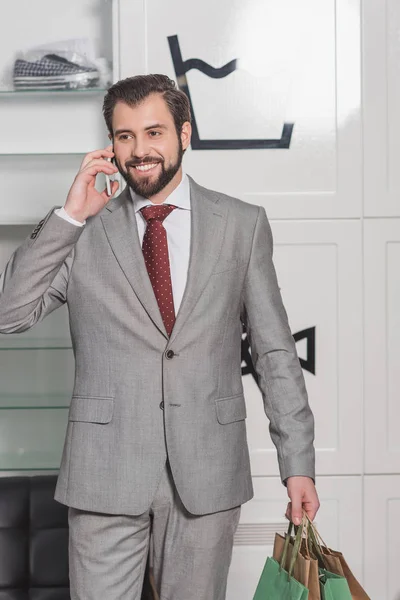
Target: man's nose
{"points": [[141, 148]]}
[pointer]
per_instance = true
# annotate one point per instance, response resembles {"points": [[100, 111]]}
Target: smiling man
{"points": [[159, 283]]}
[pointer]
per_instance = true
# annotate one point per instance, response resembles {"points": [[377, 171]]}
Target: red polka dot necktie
{"points": [[155, 252]]}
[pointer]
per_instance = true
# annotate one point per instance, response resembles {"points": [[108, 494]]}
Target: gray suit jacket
{"points": [[127, 368]]}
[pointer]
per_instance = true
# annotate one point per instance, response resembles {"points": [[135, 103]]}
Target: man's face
{"points": [[148, 151]]}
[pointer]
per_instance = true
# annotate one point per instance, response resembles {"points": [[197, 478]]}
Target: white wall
{"points": [[330, 68]]}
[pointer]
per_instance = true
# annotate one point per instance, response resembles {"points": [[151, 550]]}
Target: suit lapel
{"points": [[208, 223], [121, 230]]}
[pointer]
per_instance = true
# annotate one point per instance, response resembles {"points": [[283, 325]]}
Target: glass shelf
{"points": [[34, 401], [34, 344], [24, 93], [44, 153], [31, 470]]}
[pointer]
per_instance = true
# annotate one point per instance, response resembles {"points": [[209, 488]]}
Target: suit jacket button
{"points": [[170, 354], [162, 405]]}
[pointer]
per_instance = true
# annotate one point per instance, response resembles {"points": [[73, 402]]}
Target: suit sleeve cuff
{"points": [[301, 464]]}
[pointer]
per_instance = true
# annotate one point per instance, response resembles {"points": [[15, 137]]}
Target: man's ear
{"points": [[186, 134]]}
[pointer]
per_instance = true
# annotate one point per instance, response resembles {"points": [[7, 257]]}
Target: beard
{"points": [[147, 187]]}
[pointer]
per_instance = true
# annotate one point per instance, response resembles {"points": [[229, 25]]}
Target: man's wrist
{"points": [[285, 481], [62, 213], [79, 217]]}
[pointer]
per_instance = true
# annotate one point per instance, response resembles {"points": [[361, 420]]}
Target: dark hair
{"points": [[134, 90]]}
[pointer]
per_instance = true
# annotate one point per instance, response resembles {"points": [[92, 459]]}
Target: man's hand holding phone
{"points": [[83, 199]]}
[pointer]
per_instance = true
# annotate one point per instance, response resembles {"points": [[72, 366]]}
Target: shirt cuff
{"points": [[61, 212]]}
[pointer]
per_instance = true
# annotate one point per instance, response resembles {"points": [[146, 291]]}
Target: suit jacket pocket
{"points": [[231, 409], [91, 409]]}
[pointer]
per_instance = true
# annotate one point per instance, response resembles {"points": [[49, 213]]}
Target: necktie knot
{"points": [[157, 213]]}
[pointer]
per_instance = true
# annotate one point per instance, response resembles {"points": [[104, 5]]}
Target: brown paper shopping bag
{"points": [[357, 591], [313, 576], [335, 562], [305, 568]]}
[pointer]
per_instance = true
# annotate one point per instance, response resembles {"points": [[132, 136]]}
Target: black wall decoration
{"points": [[308, 364], [181, 68]]}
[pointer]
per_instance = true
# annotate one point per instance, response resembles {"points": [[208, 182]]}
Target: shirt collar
{"points": [[180, 197]]}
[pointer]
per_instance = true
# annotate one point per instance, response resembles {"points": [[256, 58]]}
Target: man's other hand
{"points": [[303, 496]]}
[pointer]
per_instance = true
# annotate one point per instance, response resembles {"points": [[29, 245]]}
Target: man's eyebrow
{"points": [[156, 126], [118, 131]]}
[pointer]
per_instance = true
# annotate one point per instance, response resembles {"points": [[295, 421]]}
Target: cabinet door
{"points": [[382, 547], [382, 343], [33, 185], [381, 93], [319, 272], [275, 93], [339, 522]]}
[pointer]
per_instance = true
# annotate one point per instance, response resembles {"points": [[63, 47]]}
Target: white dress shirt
{"points": [[178, 228]]}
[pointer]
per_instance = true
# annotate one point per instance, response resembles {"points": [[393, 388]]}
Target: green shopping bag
{"points": [[276, 583], [333, 587]]}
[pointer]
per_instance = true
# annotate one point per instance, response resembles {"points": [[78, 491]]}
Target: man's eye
{"points": [[154, 133], [124, 136]]}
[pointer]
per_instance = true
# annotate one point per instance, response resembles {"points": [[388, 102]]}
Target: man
{"points": [[159, 282]]}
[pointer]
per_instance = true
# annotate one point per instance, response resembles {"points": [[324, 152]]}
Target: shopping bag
{"points": [[333, 587], [301, 567], [357, 591], [277, 583], [305, 568], [334, 562], [313, 574]]}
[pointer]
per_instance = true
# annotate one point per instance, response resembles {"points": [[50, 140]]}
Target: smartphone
{"points": [[108, 180]]}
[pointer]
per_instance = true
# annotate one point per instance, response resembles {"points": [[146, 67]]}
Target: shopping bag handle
{"points": [[316, 541], [296, 545], [286, 545], [316, 532]]}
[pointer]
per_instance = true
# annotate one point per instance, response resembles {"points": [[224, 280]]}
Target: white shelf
{"points": [[29, 93]]}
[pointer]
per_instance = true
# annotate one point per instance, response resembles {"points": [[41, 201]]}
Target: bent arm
{"points": [[275, 360], [35, 279]]}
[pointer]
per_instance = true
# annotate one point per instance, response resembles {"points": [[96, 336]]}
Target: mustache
{"points": [[142, 161]]}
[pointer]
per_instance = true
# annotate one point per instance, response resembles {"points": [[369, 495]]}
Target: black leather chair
{"points": [[34, 541]]}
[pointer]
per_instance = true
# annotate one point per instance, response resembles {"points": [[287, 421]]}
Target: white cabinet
{"points": [[382, 343], [289, 105], [381, 534], [381, 95], [319, 271], [339, 521]]}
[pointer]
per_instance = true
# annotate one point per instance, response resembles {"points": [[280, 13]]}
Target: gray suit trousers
{"points": [[191, 554]]}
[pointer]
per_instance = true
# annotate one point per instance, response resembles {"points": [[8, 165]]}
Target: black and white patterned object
{"points": [[53, 72]]}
